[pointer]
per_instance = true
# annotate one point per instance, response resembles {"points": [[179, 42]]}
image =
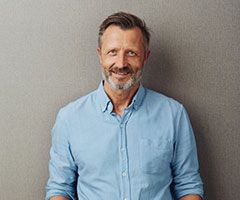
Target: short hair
{"points": [[124, 21]]}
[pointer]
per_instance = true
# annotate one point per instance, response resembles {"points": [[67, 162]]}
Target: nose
{"points": [[121, 60]]}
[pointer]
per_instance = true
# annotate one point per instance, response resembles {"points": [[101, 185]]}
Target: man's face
{"points": [[122, 56]]}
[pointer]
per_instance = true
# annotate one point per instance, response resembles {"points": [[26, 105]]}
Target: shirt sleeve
{"points": [[185, 167], [62, 169]]}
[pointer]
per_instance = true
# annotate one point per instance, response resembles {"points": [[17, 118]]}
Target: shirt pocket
{"points": [[155, 156]]}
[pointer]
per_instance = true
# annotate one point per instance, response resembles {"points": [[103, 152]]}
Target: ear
{"points": [[99, 54], [146, 55]]}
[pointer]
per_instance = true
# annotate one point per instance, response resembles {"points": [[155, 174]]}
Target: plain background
{"points": [[48, 58]]}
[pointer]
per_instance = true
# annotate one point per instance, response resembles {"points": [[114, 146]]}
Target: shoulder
{"points": [[162, 101], [75, 107]]}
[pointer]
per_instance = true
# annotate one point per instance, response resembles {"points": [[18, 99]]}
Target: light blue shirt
{"points": [[147, 154]]}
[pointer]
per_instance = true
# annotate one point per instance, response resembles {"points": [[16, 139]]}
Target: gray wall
{"points": [[48, 58]]}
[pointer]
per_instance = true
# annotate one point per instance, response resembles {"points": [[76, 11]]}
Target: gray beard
{"points": [[122, 86]]}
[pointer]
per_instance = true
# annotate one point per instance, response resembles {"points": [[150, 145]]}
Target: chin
{"points": [[120, 85]]}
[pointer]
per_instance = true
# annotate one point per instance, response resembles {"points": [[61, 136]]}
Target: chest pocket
{"points": [[155, 156]]}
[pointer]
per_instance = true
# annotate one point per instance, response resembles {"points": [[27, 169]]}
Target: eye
{"points": [[112, 52], [131, 53]]}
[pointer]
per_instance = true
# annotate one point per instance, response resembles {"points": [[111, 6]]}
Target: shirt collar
{"points": [[106, 104], [138, 97]]}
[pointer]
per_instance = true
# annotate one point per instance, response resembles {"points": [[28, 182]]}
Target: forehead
{"points": [[115, 35]]}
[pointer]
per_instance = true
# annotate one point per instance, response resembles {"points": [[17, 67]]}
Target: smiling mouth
{"points": [[121, 74]]}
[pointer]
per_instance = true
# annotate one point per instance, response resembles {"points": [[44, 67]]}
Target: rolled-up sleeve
{"points": [[62, 169], [186, 176]]}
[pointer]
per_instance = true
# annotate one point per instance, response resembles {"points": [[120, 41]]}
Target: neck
{"points": [[120, 98]]}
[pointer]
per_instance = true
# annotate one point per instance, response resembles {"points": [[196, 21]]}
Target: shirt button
{"points": [[122, 149], [121, 125], [125, 199], [124, 174]]}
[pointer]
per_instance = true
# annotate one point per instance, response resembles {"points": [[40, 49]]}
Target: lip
{"points": [[121, 75]]}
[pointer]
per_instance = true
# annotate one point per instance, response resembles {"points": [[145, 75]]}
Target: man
{"points": [[123, 141]]}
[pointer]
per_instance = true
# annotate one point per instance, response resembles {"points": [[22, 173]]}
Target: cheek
{"points": [[137, 64], [107, 61]]}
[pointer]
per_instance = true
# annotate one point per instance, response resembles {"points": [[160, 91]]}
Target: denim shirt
{"points": [[148, 153]]}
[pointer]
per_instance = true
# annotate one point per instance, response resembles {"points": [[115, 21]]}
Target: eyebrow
{"points": [[115, 48]]}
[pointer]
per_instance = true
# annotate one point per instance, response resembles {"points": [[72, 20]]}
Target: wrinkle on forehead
{"points": [[115, 37]]}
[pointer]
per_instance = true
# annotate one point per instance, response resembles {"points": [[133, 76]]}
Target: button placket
{"points": [[124, 155], [124, 161]]}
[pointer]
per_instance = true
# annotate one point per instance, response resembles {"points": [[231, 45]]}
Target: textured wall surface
{"points": [[48, 58]]}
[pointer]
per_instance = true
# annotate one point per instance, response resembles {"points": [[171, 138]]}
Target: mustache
{"points": [[125, 69]]}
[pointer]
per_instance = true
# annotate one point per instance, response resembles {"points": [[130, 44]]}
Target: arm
{"points": [[62, 168], [187, 183], [191, 197]]}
